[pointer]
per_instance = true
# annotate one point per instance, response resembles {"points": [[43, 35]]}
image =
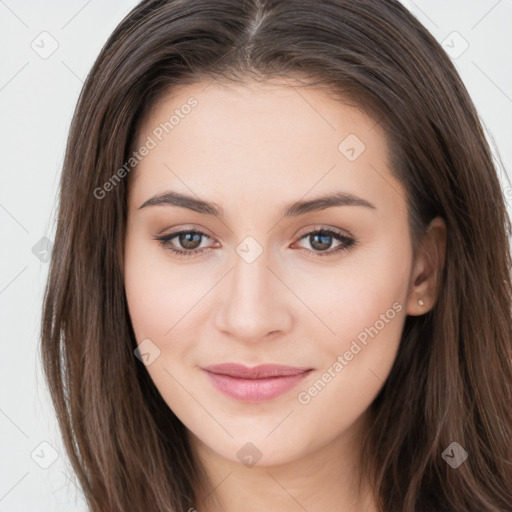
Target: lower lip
{"points": [[255, 390]]}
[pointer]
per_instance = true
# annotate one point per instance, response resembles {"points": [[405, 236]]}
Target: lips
{"points": [[255, 384]]}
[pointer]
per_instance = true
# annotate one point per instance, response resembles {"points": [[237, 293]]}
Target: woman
{"points": [[281, 273]]}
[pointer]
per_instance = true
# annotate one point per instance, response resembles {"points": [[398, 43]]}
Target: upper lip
{"points": [[257, 372]]}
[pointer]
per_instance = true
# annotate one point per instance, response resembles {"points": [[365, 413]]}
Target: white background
{"points": [[37, 100]]}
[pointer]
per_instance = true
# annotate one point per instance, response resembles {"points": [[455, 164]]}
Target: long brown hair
{"points": [[452, 378]]}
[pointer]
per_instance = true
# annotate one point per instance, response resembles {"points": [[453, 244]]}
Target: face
{"points": [[231, 257]]}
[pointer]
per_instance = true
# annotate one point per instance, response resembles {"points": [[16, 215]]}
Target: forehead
{"points": [[274, 111], [274, 139]]}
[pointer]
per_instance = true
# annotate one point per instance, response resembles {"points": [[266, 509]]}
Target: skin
{"points": [[252, 149]]}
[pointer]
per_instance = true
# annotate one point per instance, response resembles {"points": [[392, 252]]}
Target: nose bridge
{"points": [[253, 305], [250, 280]]}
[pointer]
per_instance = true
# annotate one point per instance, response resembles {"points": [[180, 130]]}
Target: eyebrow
{"points": [[171, 198]]}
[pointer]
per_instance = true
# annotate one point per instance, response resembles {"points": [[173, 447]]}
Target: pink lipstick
{"points": [[255, 384]]}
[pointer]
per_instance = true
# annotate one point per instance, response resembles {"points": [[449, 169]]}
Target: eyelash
{"points": [[347, 242]]}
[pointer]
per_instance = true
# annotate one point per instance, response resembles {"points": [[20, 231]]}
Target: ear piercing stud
{"points": [[420, 302]]}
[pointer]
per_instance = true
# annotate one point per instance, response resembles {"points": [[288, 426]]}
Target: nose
{"points": [[253, 302]]}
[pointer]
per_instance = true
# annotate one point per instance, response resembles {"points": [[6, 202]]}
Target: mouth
{"points": [[257, 384]]}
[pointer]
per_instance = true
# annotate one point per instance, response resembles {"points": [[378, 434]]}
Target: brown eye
{"points": [[190, 240], [184, 243]]}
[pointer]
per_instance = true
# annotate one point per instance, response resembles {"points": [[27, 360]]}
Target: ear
{"points": [[427, 269]]}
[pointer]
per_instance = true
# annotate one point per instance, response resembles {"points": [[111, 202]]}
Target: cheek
{"points": [[159, 294], [362, 308], [146, 301], [352, 296], [367, 315], [161, 298]]}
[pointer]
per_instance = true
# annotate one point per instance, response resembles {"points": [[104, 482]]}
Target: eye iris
{"points": [[324, 243], [190, 240]]}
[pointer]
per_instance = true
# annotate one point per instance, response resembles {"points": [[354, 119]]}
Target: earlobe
{"points": [[427, 269]]}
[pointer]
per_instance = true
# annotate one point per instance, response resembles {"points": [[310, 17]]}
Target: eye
{"points": [[189, 239], [321, 241], [187, 242]]}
